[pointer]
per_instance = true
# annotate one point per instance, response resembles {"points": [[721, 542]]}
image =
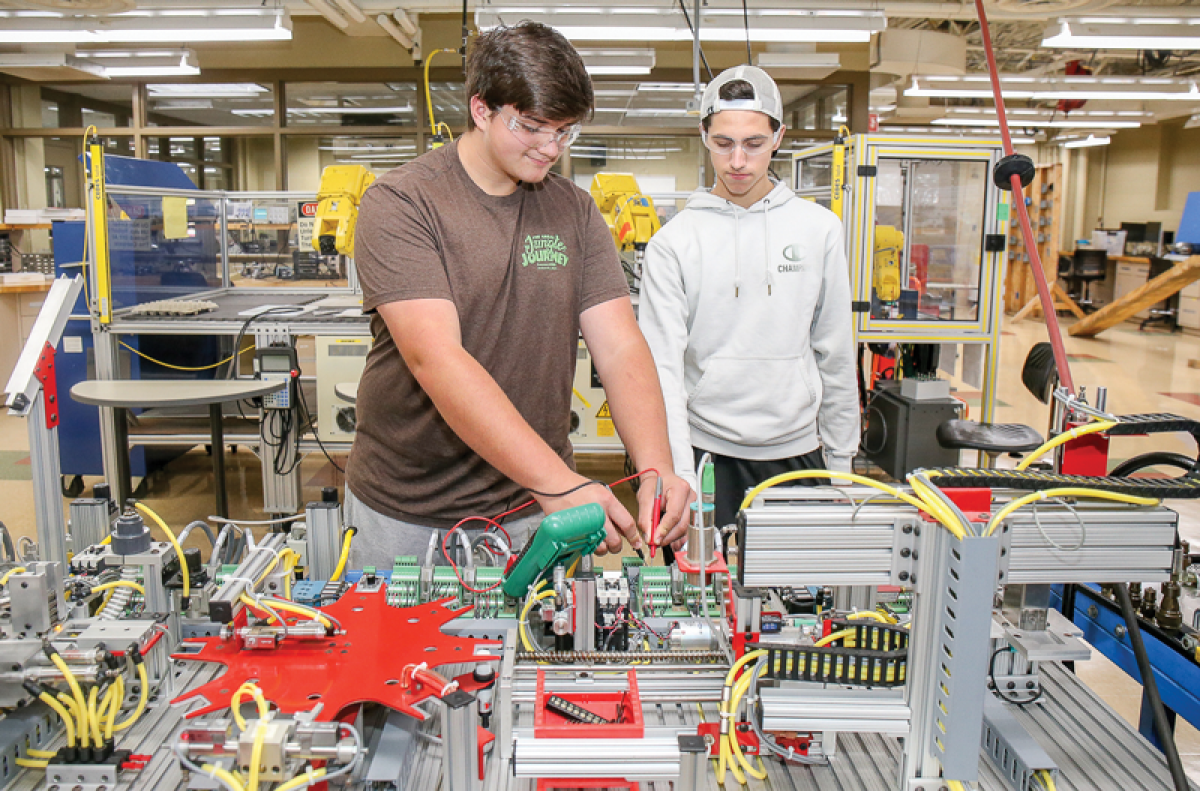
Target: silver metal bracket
{"points": [[1060, 642]]}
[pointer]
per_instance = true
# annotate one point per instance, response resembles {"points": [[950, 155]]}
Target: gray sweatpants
{"points": [[380, 538]]}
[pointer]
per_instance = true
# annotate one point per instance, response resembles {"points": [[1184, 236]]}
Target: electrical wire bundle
{"points": [[90, 719]]}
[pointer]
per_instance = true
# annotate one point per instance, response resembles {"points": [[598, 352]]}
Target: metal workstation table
{"points": [[122, 395], [1095, 748]]}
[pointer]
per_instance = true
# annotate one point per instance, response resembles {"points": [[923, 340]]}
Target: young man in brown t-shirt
{"points": [[480, 269]]}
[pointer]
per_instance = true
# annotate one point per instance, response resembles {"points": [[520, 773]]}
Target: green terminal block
{"points": [[562, 537], [404, 589]]}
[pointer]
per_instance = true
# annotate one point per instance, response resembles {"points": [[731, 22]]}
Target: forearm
{"points": [[480, 413]]}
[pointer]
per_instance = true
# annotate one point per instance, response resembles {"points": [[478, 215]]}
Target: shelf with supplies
{"points": [[1043, 201]]}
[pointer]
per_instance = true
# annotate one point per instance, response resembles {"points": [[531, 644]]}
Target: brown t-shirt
{"points": [[520, 269]]}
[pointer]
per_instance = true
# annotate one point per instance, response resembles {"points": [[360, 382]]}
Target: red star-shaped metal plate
{"points": [[360, 666]]}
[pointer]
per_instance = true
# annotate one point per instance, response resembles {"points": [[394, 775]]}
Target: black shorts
{"points": [[736, 476]]}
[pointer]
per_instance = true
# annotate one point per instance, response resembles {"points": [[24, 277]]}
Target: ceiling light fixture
{"points": [[799, 65], [1087, 142], [231, 90], [1036, 88], [1035, 123], [49, 66], [651, 24], [608, 62], [147, 26], [143, 63], [1124, 33]]}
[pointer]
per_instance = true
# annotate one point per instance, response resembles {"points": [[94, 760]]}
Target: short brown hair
{"points": [[737, 89], [532, 67]]}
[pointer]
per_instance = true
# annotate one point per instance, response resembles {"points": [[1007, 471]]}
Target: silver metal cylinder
{"points": [[691, 636], [700, 535]]}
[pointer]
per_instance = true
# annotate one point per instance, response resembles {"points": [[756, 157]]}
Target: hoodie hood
{"points": [[746, 221]]}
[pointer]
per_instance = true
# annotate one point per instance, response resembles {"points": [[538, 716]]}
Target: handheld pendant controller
{"points": [[561, 538]]}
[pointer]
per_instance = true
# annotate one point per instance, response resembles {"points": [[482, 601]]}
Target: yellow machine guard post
{"points": [[99, 213], [838, 177]]}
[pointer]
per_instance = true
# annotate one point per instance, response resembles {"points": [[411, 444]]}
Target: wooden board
{"points": [[1156, 290], [1061, 302]]}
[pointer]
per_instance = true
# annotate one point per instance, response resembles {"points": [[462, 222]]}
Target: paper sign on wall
{"points": [[175, 222]]}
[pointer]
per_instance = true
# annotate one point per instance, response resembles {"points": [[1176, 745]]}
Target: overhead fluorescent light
{"points": [[184, 104], [49, 67], [978, 86], [657, 112], [148, 63], [370, 148], [669, 87], [258, 112], [650, 24], [405, 108], [1087, 142], [1036, 123], [608, 62], [231, 90], [147, 26], [1124, 33], [966, 132], [799, 65]]}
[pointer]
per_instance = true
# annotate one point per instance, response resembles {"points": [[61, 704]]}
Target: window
{"points": [[210, 104]]}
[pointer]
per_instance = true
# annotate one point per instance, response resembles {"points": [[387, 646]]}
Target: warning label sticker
{"points": [[604, 411]]}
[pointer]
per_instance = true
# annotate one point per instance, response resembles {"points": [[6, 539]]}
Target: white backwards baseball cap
{"points": [[766, 98]]}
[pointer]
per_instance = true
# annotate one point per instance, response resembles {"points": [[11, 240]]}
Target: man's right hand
{"points": [[619, 524]]}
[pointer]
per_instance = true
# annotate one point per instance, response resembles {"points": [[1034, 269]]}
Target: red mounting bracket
{"points": [[44, 371]]}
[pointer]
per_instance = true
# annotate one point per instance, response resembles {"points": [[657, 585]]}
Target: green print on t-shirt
{"points": [[545, 250]]}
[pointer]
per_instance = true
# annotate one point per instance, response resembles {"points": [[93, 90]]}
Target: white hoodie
{"points": [[747, 313]]}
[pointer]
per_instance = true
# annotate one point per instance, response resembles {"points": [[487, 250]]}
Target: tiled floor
{"points": [[1144, 372]]}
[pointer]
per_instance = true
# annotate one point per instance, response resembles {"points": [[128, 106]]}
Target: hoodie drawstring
{"points": [[737, 258], [767, 240]]}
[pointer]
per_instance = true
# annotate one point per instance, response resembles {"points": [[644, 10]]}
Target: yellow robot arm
{"points": [[889, 243], [342, 188], [629, 214]]}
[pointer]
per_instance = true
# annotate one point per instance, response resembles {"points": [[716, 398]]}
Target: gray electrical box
{"points": [[901, 433]]}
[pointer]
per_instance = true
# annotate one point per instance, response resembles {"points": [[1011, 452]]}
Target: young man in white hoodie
{"points": [[745, 303]]}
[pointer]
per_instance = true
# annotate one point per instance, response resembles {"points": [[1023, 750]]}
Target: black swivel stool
{"points": [[1088, 266], [991, 439], [1167, 311]]}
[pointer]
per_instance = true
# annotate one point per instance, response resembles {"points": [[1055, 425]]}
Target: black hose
{"points": [[9, 552], [1158, 458], [1165, 734]]}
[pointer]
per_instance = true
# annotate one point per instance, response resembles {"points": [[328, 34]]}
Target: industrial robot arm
{"points": [[341, 191]]}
